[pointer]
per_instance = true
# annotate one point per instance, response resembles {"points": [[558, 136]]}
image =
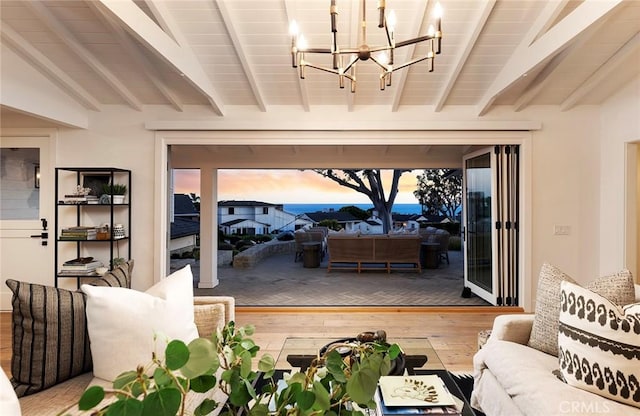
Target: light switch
{"points": [[561, 230]]}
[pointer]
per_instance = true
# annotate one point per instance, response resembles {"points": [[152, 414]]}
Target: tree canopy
{"points": [[440, 192], [369, 183]]}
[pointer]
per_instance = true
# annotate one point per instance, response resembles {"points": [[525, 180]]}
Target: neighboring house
{"points": [[183, 207], [345, 219], [185, 235], [408, 222], [185, 227], [372, 225], [254, 217]]}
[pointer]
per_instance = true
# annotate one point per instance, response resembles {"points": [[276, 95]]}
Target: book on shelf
{"points": [[78, 233], [78, 272], [86, 266]]}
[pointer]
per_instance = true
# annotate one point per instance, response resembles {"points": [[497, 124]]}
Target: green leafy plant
{"points": [[114, 189], [340, 382]]}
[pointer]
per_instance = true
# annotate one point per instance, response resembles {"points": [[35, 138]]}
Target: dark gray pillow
{"points": [[50, 339]]}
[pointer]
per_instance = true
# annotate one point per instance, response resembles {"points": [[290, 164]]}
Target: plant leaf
{"points": [[162, 378], [362, 384], [176, 354], [203, 383], [207, 406], [305, 399], [245, 364], [203, 359], [91, 397], [165, 402], [126, 407], [322, 402], [267, 365]]}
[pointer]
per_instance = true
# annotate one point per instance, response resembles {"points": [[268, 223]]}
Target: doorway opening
{"points": [[213, 159]]}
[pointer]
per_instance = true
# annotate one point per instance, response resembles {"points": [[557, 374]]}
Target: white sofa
{"points": [[513, 379], [211, 312]]}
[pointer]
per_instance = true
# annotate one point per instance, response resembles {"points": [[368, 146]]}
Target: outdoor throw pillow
{"points": [[599, 344], [617, 287], [126, 326]]}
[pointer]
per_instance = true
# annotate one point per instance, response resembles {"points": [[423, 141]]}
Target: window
{"points": [[265, 210], [231, 211]]}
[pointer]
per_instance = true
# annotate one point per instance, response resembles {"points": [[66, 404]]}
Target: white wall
{"points": [[619, 124], [117, 138]]}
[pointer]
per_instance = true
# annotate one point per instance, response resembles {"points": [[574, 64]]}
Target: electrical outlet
{"points": [[561, 230]]}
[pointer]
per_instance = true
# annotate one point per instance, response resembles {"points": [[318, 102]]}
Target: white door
{"points": [[478, 215], [26, 212], [491, 213]]}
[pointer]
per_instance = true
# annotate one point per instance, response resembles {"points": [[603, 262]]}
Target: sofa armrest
{"points": [[514, 328], [213, 312]]}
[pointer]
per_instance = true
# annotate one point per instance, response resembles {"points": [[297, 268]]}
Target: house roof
{"points": [[339, 216], [182, 205], [241, 220], [182, 227], [236, 54], [233, 203]]}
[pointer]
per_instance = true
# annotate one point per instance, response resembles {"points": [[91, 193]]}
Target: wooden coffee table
{"points": [[421, 359]]}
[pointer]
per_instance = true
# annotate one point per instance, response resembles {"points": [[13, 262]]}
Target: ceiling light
{"points": [[382, 55]]}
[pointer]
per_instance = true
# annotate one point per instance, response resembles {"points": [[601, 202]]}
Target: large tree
{"points": [[440, 192], [369, 183]]}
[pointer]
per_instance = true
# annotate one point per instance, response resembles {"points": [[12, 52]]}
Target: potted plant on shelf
{"points": [[340, 381], [115, 191]]}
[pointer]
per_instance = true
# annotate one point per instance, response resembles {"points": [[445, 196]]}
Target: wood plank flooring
{"points": [[452, 331]]}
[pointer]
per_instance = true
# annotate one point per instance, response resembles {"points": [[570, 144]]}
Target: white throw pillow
{"points": [[599, 344], [122, 323], [8, 399]]}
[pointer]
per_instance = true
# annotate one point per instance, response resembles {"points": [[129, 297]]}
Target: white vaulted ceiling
{"points": [[225, 53]]}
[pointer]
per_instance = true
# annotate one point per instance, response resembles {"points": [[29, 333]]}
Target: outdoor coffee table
{"points": [[421, 359]]}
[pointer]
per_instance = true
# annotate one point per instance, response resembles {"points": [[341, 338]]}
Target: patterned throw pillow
{"points": [[617, 287], [599, 345], [544, 333], [50, 341]]}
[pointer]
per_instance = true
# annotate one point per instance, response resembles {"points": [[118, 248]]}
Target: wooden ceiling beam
{"points": [[532, 53], [227, 19], [463, 57], [180, 57], [60, 30], [134, 53], [48, 68], [400, 77], [618, 59]]}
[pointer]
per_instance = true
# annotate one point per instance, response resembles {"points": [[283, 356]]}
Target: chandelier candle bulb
{"points": [[381, 6]]}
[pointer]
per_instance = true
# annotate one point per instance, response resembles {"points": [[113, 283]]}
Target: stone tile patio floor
{"points": [[279, 281]]}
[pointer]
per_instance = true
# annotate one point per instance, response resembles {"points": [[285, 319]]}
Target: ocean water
{"points": [[302, 208]]}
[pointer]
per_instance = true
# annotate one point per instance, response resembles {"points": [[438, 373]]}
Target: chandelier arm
{"points": [[350, 64], [332, 71], [414, 40], [316, 50], [411, 62], [379, 48], [381, 65]]}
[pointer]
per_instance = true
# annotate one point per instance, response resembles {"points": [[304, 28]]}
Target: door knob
{"points": [[41, 235]]}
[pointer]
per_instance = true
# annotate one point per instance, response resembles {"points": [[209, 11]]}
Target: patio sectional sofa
{"points": [[374, 252]]}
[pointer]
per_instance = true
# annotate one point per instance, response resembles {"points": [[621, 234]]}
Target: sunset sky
{"points": [[288, 186]]}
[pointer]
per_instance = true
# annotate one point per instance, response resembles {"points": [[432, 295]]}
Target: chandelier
{"points": [[345, 59]]}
